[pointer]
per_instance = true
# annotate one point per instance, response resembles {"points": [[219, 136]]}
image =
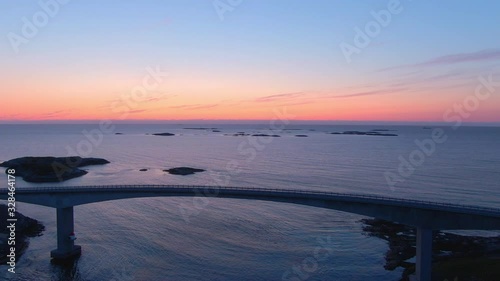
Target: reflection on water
{"points": [[148, 239], [67, 270]]}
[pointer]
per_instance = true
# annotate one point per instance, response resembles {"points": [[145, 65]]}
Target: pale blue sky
{"points": [[288, 45]]}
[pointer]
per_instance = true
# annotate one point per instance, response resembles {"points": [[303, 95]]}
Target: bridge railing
{"points": [[177, 188]]}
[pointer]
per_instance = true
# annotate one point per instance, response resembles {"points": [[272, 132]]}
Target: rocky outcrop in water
{"points": [[238, 134], [50, 169], [25, 227], [265, 135], [450, 252], [163, 134], [370, 133], [183, 171]]}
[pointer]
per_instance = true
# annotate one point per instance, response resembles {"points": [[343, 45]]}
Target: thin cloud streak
{"points": [[464, 57], [279, 97], [484, 55], [154, 97], [370, 93], [49, 115], [136, 111], [194, 106], [54, 114]]}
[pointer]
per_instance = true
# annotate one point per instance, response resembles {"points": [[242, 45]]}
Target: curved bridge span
{"points": [[433, 215], [425, 216]]}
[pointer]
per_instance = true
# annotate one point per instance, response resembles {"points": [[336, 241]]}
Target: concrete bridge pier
{"points": [[423, 261], [66, 247]]}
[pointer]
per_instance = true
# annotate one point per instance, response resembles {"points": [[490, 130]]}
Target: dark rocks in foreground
{"points": [[25, 227], [163, 134], [50, 169], [143, 170], [450, 251], [359, 133], [302, 136], [183, 171]]}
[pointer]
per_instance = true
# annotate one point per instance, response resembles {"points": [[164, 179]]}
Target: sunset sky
{"points": [[233, 60]]}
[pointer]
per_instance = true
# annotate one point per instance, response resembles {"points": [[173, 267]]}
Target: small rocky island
{"points": [[25, 227], [163, 134], [370, 133], [238, 134], [265, 135], [183, 171], [200, 128], [50, 169], [465, 258], [243, 134]]}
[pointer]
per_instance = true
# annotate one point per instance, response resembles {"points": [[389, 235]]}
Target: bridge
{"points": [[424, 216]]}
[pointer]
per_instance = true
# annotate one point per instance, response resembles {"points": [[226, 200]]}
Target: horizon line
{"points": [[241, 121]]}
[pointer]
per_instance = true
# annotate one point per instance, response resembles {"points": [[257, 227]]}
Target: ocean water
{"points": [[230, 239]]}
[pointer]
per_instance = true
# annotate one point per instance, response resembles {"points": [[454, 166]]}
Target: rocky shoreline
{"points": [[25, 228], [450, 252]]}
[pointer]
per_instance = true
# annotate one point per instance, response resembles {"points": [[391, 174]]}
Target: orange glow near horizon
{"points": [[376, 108], [109, 97]]}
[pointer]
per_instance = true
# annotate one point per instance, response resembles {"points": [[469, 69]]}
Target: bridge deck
{"points": [[214, 191], [425, 216]]}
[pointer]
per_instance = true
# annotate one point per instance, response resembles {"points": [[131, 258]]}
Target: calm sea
{"points": [[227, 239]]}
